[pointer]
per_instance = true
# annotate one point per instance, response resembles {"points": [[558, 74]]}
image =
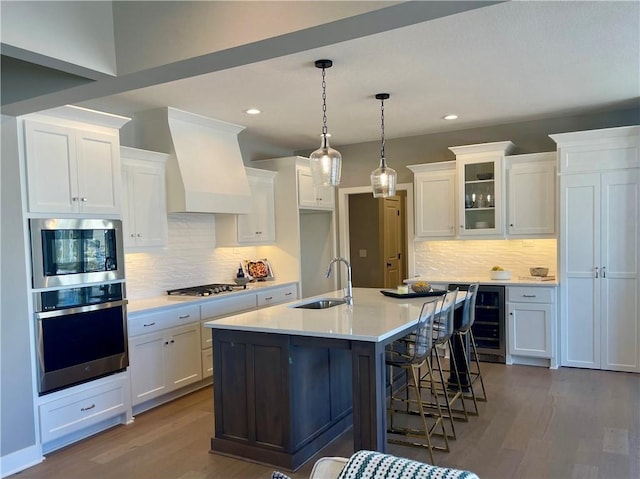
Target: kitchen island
{"points": [[288, 380]]}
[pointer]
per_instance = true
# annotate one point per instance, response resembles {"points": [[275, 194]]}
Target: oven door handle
{"points": [[80, 309]]}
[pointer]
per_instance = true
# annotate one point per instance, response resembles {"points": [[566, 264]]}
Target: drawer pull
{"points": [[528, 295], [184, 317], [269, 298], [288, 294], [149, 324], [87, 408]]}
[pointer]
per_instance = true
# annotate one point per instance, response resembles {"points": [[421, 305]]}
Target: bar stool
{"points": [[464, 333], [410, 353]]}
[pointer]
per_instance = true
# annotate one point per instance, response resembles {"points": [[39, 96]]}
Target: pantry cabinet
{"points": [[144, 206], [70, 170], [531, 195], [599, 248], [481, 198], [435, 199], [258, 227]]}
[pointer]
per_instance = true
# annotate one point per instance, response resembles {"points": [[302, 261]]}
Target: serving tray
{"points": [[394, 294]]}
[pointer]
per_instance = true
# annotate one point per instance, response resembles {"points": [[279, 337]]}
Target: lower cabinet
{"points": [[531, 322], [278, 295], [71, 414], [164, 361]]}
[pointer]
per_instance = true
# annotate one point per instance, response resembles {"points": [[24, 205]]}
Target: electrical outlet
{"points": [[363, 253]]}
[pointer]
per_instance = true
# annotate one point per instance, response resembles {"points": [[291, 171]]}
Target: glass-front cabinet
{"points": [[480, 172]]}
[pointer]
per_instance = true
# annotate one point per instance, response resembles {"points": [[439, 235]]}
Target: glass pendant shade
{"points": [[326, 165], [383, 181]]}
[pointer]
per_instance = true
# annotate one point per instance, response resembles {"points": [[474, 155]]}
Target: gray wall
{"points": [[359, 160], [16, 386]]}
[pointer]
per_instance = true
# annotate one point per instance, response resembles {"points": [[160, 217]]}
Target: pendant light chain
{"points": [[324, 103], [382, 158]]}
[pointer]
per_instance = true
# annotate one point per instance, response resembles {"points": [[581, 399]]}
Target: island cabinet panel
{"points": [[279, 398]]}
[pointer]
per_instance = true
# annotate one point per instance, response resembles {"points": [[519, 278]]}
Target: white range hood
{"points": [[205, 171]]}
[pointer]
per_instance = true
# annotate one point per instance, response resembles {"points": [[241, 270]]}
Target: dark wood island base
{"points": [[279, 398]]}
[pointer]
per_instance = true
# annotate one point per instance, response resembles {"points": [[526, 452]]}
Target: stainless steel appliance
{"points": [[67, 252], [205, 289], [81, 334]]}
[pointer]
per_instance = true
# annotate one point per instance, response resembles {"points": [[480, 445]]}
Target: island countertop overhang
{"points": [[373, 317]]}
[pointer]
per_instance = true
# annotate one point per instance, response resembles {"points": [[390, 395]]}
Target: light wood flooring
{"points": [[538, 423]]}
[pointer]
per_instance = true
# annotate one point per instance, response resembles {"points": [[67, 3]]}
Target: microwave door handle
{"points": [[79, 309]]}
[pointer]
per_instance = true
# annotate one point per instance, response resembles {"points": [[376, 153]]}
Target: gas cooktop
{"points": [[205, 289]]}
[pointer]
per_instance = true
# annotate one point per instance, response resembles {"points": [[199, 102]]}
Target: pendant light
{"points": [[383, 179], [326, 163]]}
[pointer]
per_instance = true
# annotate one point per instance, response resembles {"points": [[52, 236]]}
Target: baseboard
{"points": [[20, 460]]}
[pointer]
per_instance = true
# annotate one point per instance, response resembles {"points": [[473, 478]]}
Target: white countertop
{"points": [[164, 301], [515, 280], [373, 317]]}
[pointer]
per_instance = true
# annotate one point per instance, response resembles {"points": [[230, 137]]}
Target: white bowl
{"points": [[500, 274]]}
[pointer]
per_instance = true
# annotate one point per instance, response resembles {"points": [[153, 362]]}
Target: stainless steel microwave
{"points": [[67, 252]]}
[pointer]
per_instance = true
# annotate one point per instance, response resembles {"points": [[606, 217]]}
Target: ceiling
{"points": [[500, 63]]}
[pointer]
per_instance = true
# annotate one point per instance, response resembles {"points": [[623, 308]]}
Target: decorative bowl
{"points": [[500, 274], [421, 287], [539, 271], [484, 176], [241, 281]]}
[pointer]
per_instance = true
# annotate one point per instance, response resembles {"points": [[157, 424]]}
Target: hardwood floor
{"points": [[538, 423]]}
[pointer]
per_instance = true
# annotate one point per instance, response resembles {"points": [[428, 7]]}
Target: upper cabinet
{"points": [[531, 194], [144, 205], [73, 166], [435, 199], [480, 171], [257, 227], [310, 196]]}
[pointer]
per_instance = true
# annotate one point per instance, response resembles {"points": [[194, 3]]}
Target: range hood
{"points": [[205, 171]]}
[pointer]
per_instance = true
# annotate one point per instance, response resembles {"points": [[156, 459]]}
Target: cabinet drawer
{"points": [[277, 295], [150, 322], [226, 306], [79, 410], [521, 294]]}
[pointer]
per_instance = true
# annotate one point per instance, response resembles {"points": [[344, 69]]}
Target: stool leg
{"points": [[479, 372], [461, 338]]}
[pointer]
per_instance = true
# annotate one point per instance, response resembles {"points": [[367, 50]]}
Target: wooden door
{"points": [[392, 236]]}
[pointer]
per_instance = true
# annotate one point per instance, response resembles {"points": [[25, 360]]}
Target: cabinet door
{"points": [[619, 284], [259, 225], [51, 168], [98, 172], [183, 355], [435, 204], [580, 255], [128, 208], [310, 196], [147, 366], [149, 206], [531, 201], [530, 329], [480, 198]]}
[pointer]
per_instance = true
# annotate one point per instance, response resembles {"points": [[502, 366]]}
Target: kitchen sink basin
{"points": [[323, 303]]}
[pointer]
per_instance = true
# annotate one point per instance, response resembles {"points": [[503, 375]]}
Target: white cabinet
{"points": [[281, 294], [531, 321], [599, 248], [435, 199], [310, 196], [70, 170], [257, 227], [168, 356], [531, 193], [79, 411], [144, 207], [480, 188]]}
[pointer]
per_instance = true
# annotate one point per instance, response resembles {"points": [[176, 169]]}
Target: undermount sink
{"points": [[323, 303]]}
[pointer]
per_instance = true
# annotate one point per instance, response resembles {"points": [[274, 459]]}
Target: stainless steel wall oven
{"points": [[81, 334], [67, 252]]}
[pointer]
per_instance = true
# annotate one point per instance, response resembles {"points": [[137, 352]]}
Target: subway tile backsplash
{"points": [[477, 257], [190, 259]]}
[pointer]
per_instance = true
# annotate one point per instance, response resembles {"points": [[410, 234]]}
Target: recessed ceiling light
{"points": [[451, 116], [252, 111]]}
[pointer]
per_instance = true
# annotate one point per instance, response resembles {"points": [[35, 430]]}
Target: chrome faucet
{"points": [[348, 295]]}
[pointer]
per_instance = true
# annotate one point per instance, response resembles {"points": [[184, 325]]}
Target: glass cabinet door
{"points": [[480, 196]]}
